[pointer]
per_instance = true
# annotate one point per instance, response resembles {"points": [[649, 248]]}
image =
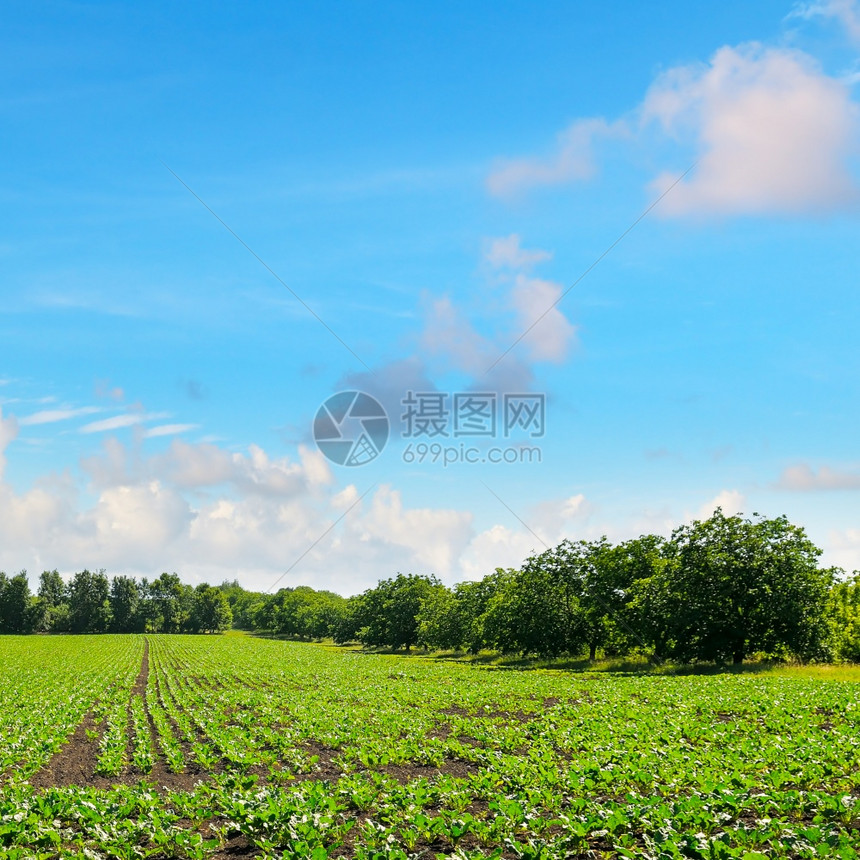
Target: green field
{"points": [[205, 747]]}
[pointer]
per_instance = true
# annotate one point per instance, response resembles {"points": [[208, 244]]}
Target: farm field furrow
{"points": [[212, 747]]}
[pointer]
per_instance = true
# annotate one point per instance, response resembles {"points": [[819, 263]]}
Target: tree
{"points": [[50, 609], [169, 604], [52, 590], [843, 616], [243, 604], [597, 570], [563, 599], [210, 610], [345, 628], [15, 613], [527, 615], [645, 618], [388, 614], [440, 624], [740, 586], [89, 602], [472, 602], [455, 618], [125, 604]]}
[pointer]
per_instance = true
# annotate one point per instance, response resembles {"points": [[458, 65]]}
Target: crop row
{"points": [[303, 751]]}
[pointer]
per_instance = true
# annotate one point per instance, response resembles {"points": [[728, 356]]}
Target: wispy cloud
{"points": [[52, 416], [803, 478], [169, 430], [506, 252], [846, 12], [572, 160], [8, 432], [117, 422]]}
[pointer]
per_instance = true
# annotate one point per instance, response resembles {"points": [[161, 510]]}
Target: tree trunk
{"points": [[738, 657], [592, 652]]}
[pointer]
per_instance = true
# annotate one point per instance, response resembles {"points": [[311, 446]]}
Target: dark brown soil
{"points": [[515, 716], [236, 847], [404, 773], [139, 687], [455, 711], [75, 763], [441, 732], [325, 767]]}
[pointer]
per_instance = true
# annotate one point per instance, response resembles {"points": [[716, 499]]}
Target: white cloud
{"points": [[844, 549], [498, 546], [450, 341], [731, 501], [113, 466], [450, 335], [507, 252], [434, 537], [547, 332], [8, 432], [774, 134], [572, 160], [803, 478], [106, 392], [169, 430], [200, 466], [211, 514], [544, 329], [118, 422], [137, 525], [547, 524], [52, 416], [846, 12]]}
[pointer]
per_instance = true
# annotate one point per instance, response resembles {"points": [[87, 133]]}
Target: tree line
{"points": [[721, 589], [92, 603]]}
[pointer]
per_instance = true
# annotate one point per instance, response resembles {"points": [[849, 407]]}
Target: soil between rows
{"points": [[75, 763]]}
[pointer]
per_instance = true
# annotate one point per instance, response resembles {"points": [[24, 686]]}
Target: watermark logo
{"points": [[445, 428], [351, 428], [429, 414]]}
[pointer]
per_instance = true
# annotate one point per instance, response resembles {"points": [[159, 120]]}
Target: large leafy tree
{"points": [[49, 610], [472, 602], [649, 606], [243, 604], [737, 586], [210, 610], [843, 616], [455, 618], [15, 615], [170, 604], [527, 616], [565, 599], [440, 624], [89, 603], [388, 614], [52, 589], [125, 604]]}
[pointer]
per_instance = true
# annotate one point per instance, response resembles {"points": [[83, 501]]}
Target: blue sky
{"points": [[429, 179]]}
